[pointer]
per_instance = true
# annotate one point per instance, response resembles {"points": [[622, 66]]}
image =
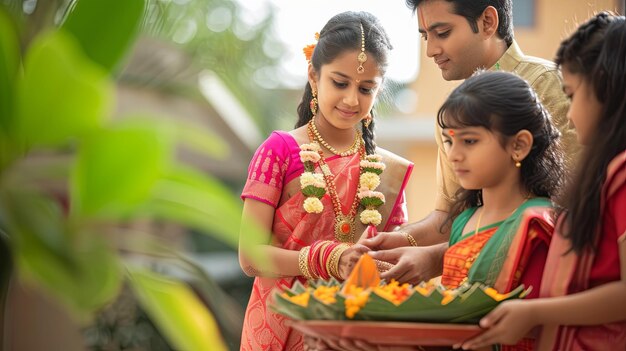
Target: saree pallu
{"points": [[569, 273], [505, 248], [293, 229], [503, 255]]}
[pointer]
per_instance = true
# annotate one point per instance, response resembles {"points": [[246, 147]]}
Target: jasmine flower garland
{"points": [[312, 184], [371, 168]]}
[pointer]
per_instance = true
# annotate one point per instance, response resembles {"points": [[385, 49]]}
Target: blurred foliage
{"points": [[72, 177], [215, 34]]}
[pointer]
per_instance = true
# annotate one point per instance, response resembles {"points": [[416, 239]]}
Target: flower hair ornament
{"points": [[308, 50]]}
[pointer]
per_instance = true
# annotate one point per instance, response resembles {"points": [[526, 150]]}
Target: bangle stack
{"points": [[321, 259]]}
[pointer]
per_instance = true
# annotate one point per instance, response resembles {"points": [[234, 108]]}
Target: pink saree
{"points": [[273, 178], [569, 273]]}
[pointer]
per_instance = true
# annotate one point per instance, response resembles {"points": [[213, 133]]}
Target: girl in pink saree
{"points": [[582, 304], [306, 187]]}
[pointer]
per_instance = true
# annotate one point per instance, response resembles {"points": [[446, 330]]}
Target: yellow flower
{"points": [[313, 205], [369, 180], [356, 298], [493, 293], [326, 294], [394, 292], [300, 299]]}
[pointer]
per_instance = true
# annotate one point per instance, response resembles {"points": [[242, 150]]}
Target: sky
{"points": [[297, 22]]}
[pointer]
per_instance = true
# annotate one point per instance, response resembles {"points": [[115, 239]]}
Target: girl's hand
{"points": [[506, 324], [349, 258], [385, 241], [411, 264]]}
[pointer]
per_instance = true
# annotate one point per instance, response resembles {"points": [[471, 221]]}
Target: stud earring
{"points": [[313, 104]]}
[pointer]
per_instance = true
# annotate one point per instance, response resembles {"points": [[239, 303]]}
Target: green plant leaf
{"points": [[187, 196], [62, 94], [79, 269], [105, 28], [117, 169], [9, 65], [177, 311]]}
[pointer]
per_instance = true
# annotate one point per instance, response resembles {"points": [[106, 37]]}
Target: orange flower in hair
{"points": [[308, 50]]}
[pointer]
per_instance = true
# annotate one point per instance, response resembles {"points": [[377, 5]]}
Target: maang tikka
{"points": [[362, 57]]}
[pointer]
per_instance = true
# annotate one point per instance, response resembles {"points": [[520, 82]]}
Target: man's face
{"points": [[450, 41]]}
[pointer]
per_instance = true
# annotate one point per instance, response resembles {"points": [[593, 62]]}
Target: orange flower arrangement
{"points": [[363, 296]]}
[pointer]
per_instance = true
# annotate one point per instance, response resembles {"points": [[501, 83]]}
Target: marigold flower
{"points": [[308, 51], [300, 299]]}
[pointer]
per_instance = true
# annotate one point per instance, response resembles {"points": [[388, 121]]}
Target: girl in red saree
{"points": [[582, 304], [305, 187]]}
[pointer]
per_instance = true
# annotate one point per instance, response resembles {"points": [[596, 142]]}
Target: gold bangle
{"points": [[333, 261], [303, 264], [410, 238], [383, 266]]}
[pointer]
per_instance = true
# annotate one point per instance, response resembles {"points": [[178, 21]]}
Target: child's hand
{"points": [[506, 324]]}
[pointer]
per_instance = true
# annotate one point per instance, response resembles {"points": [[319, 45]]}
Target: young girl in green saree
{"points": [[505, 153]]}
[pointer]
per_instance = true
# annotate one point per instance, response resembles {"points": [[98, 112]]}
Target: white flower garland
{"points": [[371, 168], [313, 185]]}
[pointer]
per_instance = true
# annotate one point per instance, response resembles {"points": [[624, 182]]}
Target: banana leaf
{"points": [[470, 303], [426, 303]]}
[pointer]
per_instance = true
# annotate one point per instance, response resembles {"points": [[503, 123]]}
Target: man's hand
{"points": [[412, 264], [386, 241]]}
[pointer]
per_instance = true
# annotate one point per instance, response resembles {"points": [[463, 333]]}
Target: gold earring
{"points": [[518, 163], [313, 104], [367, 121]]}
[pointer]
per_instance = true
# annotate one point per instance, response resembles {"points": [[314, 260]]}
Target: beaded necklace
{"points": [[353, 149], [344, 223]]}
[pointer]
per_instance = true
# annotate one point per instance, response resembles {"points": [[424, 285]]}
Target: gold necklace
{"points": [[353, 149], [480, 216], [344, 223]]}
